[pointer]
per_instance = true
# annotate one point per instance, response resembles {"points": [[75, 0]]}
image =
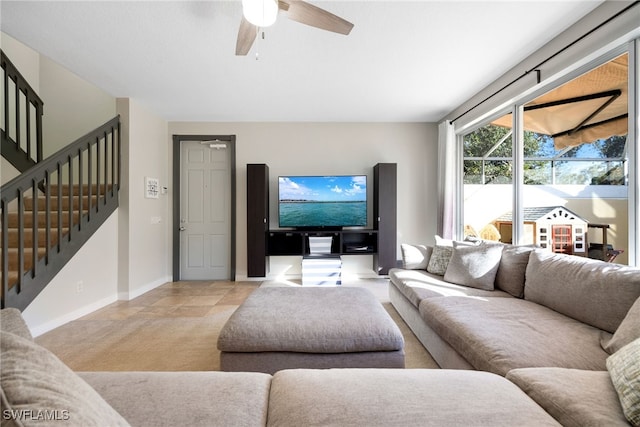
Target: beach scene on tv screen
{"points": [[322, 201]]}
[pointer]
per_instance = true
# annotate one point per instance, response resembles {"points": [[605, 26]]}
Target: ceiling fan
{"points": [[262, 13]]}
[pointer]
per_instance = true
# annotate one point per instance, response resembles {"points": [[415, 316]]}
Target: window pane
{"points": [[575, 164], [488, 178], [575, 168]]}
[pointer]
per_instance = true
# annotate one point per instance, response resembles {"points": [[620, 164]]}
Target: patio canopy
{"points": [[590, 107]]}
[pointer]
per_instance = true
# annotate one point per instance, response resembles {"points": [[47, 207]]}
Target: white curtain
{"points": [[447, 171]]}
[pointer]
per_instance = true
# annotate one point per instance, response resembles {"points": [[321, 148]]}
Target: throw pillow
{"points": [[415, 257], [624, 368], [36, 383], [474, 266], [628, 330], [11, 320], [511, 270], [440, 256]]}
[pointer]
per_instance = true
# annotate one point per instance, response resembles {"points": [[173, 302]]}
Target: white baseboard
{"points": [[68, 317], [128, 296]]}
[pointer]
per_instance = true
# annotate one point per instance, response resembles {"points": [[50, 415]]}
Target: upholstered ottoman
{"points": [[283, 328]]}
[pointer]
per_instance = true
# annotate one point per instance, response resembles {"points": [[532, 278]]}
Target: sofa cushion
{"points": [[511, 271], [474, 266], [628, 330], [399, 397], [36, 382], [185, 398], [597, 293], [416, 285], [624, 368], [11, 320], [500, 334], [415, 257], [574, 397]]}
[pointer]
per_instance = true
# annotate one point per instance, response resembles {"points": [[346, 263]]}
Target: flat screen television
{"points": [[329, 202]]}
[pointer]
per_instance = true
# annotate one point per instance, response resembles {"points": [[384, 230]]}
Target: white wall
{"points": [[333, 148], [87, 283], [144, 239], [599, 204]]}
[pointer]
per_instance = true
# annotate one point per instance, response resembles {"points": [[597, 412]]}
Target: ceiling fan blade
{"points": [[306, 13], [246, 36]]}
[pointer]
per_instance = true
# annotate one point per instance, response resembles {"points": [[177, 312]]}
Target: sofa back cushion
{"points": [[594, 292], [512, 268]]}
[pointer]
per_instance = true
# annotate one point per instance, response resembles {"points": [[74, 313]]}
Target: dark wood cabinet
{"points": [[257, 219], [385, 216], [379, 241], [344, 242]]}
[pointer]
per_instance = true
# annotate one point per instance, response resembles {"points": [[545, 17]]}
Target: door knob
{"points": [[182, 228]]}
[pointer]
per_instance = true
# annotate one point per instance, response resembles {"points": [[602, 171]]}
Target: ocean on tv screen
{"points": [[323, 214], [322, 201]]}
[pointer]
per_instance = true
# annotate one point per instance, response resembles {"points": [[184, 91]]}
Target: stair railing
{"points": [[69, 194], [21, 121]]}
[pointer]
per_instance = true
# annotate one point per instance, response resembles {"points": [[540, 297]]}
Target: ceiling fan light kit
{"points": [[261, 13]]}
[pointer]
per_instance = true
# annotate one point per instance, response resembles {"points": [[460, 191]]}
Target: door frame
{"points": [[230, 140]]}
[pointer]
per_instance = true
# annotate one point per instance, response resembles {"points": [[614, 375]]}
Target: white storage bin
{"points": [[320, 245]]}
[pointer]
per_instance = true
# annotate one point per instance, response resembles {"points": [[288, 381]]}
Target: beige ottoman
{"points": [[284, 328]]}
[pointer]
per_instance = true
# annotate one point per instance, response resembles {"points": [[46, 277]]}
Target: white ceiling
{"points": [[406, 61]]}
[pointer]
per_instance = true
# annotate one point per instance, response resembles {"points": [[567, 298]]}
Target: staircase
{"points": [[57, 203]]}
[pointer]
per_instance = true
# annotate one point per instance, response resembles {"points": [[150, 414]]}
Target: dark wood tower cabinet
{"points": [[385, 216], [257, 219]]}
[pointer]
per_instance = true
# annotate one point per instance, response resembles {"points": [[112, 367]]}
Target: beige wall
{"points": [[334, 148], [144, 248], [72, 106]]}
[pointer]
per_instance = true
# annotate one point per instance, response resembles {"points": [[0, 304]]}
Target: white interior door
{"points": [[205, 211]]}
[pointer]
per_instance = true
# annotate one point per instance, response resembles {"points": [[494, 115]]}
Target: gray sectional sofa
{"points": [[547, 322], [543, 340], [38, 389]]}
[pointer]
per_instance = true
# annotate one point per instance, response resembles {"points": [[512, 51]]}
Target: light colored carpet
{"points": [[175, 327]]}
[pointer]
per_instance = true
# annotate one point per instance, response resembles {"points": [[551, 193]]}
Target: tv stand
{"points": [[379, 241], [345, 242]]}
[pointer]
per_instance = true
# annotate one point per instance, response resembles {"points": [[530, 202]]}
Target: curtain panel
{"points": [[447, 172]]}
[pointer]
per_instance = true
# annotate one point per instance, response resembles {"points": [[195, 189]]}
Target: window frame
{"points": [[632, 48]]}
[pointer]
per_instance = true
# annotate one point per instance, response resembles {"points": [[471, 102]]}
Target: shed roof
{"points": [[535, 213]]}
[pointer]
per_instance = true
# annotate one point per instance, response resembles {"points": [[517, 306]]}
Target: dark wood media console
{"points": [[379, 241], [344, 242]]}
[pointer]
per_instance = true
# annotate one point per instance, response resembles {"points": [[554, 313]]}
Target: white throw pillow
{"points": [[415, 257]]}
